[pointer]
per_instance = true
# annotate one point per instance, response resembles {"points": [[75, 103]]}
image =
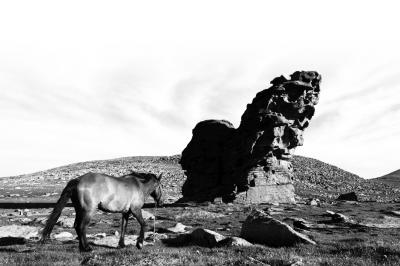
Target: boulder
{"points": [[261, 228], [352, 196]]}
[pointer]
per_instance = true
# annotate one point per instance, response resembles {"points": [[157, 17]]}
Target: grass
{"points": [[339, 253]]}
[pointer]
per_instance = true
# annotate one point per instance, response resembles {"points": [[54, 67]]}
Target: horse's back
{"points": [[109, 193]]}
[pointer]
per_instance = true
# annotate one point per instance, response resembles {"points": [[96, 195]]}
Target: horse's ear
{"points": [[159, 177]]}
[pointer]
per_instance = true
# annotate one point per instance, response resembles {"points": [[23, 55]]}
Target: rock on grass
{"points": [[261, 228]]}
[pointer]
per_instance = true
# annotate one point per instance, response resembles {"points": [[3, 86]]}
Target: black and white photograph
{"points": [[183, 132]]}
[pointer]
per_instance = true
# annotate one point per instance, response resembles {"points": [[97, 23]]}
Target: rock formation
{"points": [[251, 163]]}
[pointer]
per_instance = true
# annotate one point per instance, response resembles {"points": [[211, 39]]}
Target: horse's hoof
{"points": [[139, 245]]}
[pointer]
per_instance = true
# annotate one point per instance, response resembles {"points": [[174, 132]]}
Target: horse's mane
{"points": [[143, 176]]}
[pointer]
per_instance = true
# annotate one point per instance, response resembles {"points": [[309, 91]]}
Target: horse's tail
{"points": [[55, 214]]}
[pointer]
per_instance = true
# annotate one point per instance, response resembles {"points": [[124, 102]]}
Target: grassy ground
{"points": [[350, 252], [338, 243]]}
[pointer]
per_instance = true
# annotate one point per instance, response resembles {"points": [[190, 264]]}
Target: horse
{"points": [[92, 191]]}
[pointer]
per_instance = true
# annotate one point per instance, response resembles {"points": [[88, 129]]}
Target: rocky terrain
{"points": [[312, 179], [392, 178]]}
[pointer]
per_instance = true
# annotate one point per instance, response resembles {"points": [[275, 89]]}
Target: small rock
{"points": [[314, 202], [25, 221], [63, 235], [338, 217], [178, 228], [205, 237], [147, 215]]}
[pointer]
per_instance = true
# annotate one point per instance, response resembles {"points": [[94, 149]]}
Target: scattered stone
{"points": [[348, 196], [261, 228]]}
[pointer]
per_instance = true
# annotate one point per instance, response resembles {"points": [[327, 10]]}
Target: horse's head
{"points": [[157, 192]]}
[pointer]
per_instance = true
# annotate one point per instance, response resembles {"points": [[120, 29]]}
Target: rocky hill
{"points": [[392, 178], [313, 179]]}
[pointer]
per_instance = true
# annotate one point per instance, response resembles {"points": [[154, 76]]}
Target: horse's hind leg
{"points": [[83, 223], [78, 219], [124, 224], [138, 215]]}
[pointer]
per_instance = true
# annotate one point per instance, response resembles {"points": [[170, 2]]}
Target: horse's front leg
{"points": [[139, 218], [124, 225]]}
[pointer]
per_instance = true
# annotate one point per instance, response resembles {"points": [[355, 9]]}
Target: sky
{"points": [[89, 80]]}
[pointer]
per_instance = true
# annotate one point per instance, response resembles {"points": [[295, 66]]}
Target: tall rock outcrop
{"points": [[252, 163]]}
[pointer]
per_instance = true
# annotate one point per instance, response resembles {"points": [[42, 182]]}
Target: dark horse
{"points": [[125, 194]]}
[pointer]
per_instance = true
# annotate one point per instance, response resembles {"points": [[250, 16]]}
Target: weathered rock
{"points": [[352, 196], [27, 232], [205, 237], [251, 163], [262, 228], [234, 242]]}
